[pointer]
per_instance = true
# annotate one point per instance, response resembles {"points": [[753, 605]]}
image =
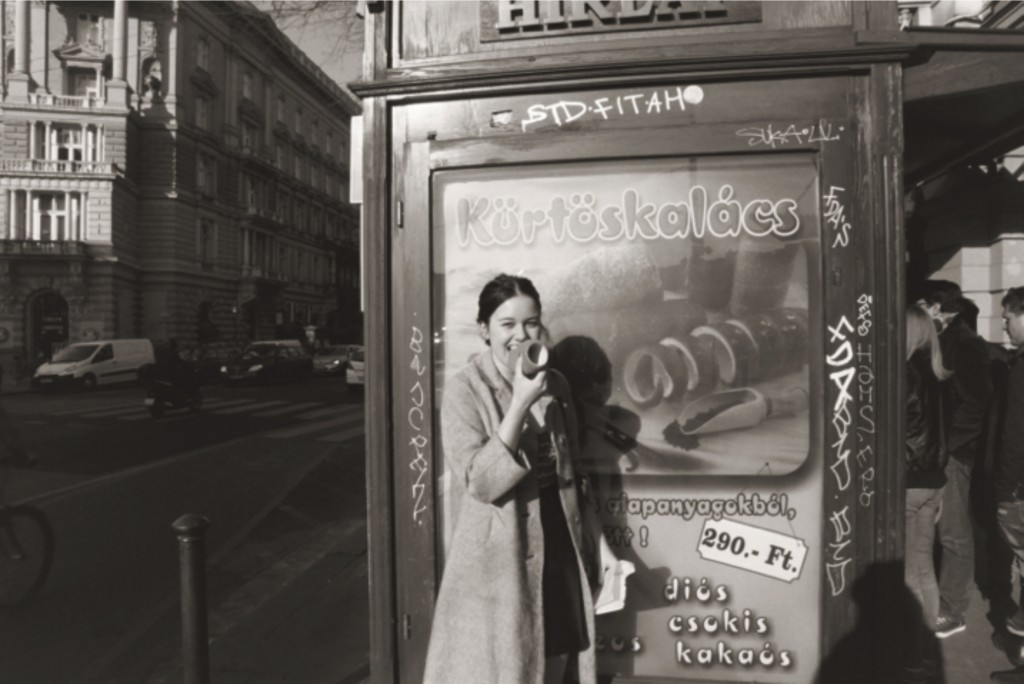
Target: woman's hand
{"points": [[526, 390]]}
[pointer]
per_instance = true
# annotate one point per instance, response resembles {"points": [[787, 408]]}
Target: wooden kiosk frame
{"points": [[446, 92]]}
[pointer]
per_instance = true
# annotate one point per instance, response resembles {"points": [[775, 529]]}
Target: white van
{"points": [[95, 363]]}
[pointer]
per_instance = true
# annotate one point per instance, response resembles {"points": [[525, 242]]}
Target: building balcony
{"points": [[263, 217], [62, 166], [261, 273], [78, 102], [42, 248]]}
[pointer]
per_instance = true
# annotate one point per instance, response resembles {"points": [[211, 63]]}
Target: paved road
{"points": [[112, 479]]}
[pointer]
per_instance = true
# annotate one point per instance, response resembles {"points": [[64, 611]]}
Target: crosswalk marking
{"points": [[221, 403], [250, 407], [107, 412], [342, 436], [287, 409], [336, 423], [341, 410], [315, 427]]}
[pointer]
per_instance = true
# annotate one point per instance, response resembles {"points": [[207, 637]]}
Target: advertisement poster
{"points": [[681, 300]]}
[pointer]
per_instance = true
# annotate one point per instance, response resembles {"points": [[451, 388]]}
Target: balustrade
{"points": [[55, 166], [41, 248], [67, 101]]}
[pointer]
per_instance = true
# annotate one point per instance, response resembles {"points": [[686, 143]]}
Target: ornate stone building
{"points": [[169, 170]]}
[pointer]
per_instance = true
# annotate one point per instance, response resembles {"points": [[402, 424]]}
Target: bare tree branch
{"points": [[337, 17]]}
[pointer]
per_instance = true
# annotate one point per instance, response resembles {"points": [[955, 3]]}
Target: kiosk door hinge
{"points": [[400, 214], [406, 626]]}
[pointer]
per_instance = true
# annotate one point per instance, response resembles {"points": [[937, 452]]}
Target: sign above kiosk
{"points": [[514, 19]]}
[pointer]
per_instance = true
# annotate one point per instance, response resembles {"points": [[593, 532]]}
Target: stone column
{"points": [[72, 218], [65, 235], [19, 81], [32, 228], [11, 199], [120, 47], [118, 91], [21, 42]]}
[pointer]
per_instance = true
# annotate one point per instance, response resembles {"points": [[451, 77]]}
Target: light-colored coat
{"points": [[488, 622]]}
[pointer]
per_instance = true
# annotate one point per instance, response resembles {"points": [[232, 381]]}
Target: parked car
{"points": [[333, 360], [269, 361], [355, 374], [88, 364]]}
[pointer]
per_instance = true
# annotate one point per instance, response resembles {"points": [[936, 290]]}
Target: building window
{"points": [[203, 54], [330, 144], [252, 192], [56, 216], [248, 136], [90, 30], [279, 156], [314, 133], [206, 241], [206, 174], [202, 113], [247, 85], [281, 109], [82, 82], [298, 121], [297, 170], [67, 143], [284, 207]]}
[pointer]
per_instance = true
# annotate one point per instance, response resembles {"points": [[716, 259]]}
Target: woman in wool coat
{"points": [[515, 603]]}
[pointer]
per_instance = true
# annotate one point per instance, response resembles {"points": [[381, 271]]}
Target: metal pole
{"points": [[195, 656]]}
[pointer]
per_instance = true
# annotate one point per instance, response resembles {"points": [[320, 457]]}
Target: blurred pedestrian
{"points": [[966, 354]]}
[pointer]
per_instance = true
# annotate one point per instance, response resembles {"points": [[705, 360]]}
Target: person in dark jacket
{"points": [[1009, 465], [966, 354], [926, 456]]}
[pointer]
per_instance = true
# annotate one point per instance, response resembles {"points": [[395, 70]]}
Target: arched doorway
{"points": [[47, 324]]}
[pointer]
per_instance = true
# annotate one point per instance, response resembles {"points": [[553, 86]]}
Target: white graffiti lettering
{"points": [[417, 422], [770, 136], [843, 529], [835, 216], [566, 112]]}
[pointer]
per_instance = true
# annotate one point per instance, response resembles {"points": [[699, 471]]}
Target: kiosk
{"points": [[709, 198]]}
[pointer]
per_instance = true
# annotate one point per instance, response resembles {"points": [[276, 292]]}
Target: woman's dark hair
{"points": [[501, 289]]}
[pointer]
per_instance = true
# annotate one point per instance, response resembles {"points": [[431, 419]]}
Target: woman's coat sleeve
{"points": [[488, 468]]}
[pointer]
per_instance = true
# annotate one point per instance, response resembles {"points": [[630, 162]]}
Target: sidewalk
{"points": [[971, 656], [289, 603]]}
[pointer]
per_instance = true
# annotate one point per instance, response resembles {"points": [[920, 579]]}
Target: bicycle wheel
{"points": [[26, 554]]}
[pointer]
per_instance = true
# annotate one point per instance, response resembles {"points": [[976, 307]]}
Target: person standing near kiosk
{"points": [[515, 602], [1009, 481], [965, 353]]}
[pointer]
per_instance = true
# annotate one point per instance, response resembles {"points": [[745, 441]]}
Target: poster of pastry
{"points": [[674, 294], [679, 301]]}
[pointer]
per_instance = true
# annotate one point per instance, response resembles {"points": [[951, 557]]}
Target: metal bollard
{"points": [[195, 656]]}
